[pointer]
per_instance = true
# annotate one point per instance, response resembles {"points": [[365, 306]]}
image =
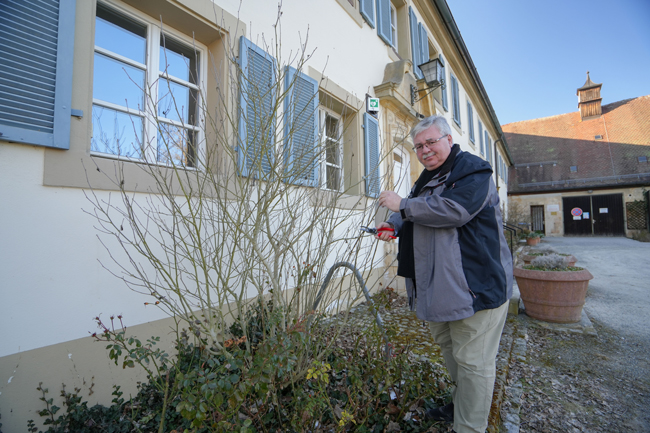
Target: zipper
{"points": [[473, 295]]}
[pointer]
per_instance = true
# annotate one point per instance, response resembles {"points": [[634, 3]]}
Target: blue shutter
{"points": [[480, 136], [301, 146], [367, 9], [36, 48], [256, 145], [470, 120], [424, 44], [383, 21], [455, 99], [445, 104], [371, 142], [415, 43]]}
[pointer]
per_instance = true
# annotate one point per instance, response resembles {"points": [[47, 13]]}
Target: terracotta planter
{"points": [[553, 296], [532, 241], [571, 260]]}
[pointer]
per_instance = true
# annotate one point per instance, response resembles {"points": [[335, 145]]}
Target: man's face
{"points": [[432, 155]]}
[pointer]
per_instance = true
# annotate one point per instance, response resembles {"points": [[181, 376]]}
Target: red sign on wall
{"points": [[576, 211]]}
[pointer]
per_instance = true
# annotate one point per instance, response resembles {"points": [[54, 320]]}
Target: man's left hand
{"points": [[390, 199]]}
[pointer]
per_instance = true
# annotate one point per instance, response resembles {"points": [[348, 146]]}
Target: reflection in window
{"points": [[129, 120]]}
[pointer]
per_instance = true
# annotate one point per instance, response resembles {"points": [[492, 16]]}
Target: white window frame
{"points": [[153, 76], [323, 112], [393, 25]]}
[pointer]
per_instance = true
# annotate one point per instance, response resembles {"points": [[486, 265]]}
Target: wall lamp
{"points": [[434, 77]]}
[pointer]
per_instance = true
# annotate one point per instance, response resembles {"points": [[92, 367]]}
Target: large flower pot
{"points": [[553, 296], [532, 241]]}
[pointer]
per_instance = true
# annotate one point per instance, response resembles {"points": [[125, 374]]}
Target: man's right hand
{"points": [[385, 235]]}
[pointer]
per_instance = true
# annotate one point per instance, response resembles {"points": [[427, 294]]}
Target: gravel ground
{"points": [[574, 382]]}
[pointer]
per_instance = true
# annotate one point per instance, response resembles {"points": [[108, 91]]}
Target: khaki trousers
{"points": [[470, 347]]}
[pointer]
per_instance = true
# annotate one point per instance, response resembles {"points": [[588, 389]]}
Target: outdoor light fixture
{"points": [[434, 77]]}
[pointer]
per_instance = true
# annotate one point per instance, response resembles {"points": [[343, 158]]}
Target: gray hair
{"points": [[438, 121]]}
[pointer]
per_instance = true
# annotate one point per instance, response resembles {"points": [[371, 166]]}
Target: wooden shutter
{"points": [[480, 136], [415, 43], [36, 48], [455, 99], [371, 142], [470, 120], [383, 21], [445, 104], [424, 44], [367, 9], [256, 147], [301, 145]]}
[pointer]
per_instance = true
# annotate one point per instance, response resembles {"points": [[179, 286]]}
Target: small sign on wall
{"points": [[585, 215], [372, 105], [604, 210], [553, 208]]}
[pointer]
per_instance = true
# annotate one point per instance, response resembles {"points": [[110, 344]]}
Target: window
{"points": [[574, 169], [455, 99], [393, 25], [470, 121], [36, 87], [487, 146], [331, 128], [145, 93], [643, 159], [480, 137]]}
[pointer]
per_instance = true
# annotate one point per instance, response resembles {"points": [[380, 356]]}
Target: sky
{"points": [[532, 55]]}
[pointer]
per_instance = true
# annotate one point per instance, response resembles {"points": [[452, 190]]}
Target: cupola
{"points": [[589, 100]]}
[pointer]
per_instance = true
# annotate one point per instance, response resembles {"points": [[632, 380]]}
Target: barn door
{"points": [[608, 214], [577, 215]]}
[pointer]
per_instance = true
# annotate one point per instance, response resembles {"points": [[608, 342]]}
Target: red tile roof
{"points": [[544, 150]]}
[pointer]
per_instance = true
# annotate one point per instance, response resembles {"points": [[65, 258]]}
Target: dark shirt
{"points": [[405, 257]]}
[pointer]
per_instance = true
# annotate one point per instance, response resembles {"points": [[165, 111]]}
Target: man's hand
{"points": [[390, 200], [385, 235]]}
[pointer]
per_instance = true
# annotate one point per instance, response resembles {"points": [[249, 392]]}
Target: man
{"points": [[457, 266]]}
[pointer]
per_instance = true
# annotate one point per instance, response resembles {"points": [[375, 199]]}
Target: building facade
{"points": [[585, 172], [76, 107]]}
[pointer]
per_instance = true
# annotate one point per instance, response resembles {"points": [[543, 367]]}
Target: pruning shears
{"points": [[376, 232]]}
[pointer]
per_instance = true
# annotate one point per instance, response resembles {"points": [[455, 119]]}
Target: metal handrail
{"points": [[357, 274]]}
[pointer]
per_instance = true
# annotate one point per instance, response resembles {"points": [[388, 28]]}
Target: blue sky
{"points": [[533, 55]]}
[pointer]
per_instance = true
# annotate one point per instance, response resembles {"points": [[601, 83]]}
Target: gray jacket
{"points": [[462, 260]]}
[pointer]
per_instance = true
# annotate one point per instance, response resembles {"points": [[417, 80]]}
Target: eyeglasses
{"points": [[428, 143]]}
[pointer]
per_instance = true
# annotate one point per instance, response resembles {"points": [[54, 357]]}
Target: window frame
{"points": [[152, 121], [323, 113], [393, 25]]}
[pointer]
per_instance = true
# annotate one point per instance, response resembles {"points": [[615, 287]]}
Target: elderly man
{"points": [[457, 266]]}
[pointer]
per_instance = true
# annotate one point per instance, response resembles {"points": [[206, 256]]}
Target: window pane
{"points": [[178, 60], [176, 102], [176, 146], [120, 35], [333, 177], [116, 133], [332, 152], [117, 82]]}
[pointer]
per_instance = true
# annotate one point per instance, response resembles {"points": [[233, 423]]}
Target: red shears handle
{"points": [[386, 229]]}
